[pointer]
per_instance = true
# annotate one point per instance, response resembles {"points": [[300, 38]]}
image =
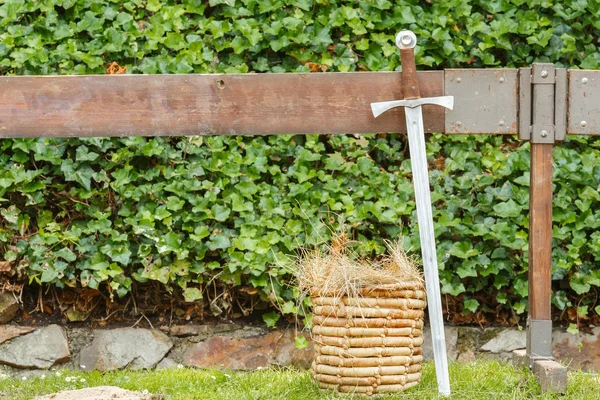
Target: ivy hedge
{"points": [[212, 218]]}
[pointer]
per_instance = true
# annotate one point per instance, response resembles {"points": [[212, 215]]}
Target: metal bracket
{"points": [[487, 100], [542, 103], [539, 340], [584, 97]]}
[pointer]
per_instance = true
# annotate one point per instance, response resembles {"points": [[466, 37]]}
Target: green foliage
{"points": [[82, 36], [474, 380], [192, 212]]}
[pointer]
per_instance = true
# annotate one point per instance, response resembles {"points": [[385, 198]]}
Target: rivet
{"points": [[458, 80], [584, 80], [501, 80], [583, 124], [544, 74], [458, 123], [544, 133], [501, 123]]}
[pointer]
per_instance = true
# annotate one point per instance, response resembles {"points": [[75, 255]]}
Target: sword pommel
{"points": [[406, 42]]}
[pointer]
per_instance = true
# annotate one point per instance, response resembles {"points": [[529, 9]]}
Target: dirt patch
{"points": [[100, 393]]}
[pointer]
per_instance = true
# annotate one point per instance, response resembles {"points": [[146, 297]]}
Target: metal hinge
{"points": [[542, 103]]}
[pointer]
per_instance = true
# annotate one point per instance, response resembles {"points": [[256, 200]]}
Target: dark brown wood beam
{"points": [[540, 232], [250, 104]]}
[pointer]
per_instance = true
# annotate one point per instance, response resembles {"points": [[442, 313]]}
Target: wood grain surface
{"points": [[250, 104], [540, 232]]}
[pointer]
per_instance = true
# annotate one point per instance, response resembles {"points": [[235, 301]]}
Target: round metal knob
{"points": [[406, 40]]}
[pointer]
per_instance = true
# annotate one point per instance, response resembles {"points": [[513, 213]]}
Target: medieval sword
{"points": [[406, 41]]}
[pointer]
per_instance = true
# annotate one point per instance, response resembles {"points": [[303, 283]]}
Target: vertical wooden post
{"points": [[539, 334], [540, 231]]}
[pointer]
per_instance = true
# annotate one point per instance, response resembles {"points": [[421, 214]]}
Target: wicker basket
{"points": [[372, 343]]}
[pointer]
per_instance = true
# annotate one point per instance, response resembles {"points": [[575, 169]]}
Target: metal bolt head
{"points": [[458, 80], [584, 80], [544, 133], [458, 123], [501, 80], [583, 124], [406, 40], [544, 74], [501, 123]]}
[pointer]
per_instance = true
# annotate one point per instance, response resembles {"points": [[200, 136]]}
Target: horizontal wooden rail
{"points": [[172, 105], [249, 104]]}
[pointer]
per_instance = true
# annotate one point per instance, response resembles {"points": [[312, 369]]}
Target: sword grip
{"points": [[410, 86]]}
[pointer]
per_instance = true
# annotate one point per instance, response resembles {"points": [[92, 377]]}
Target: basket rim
{"points": [[387, 287]]}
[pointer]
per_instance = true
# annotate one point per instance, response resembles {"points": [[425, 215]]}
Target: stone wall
{"points": [[25, 350]]}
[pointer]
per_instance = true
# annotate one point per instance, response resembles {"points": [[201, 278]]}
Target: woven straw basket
{"points": [[370, 343]]}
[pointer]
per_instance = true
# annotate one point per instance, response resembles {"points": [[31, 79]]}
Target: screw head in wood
{"points": [[458, 80], [544, 74], [501, 80], [458, 123], [583, 124], [501, 123], [584, 80], [544, 133]]}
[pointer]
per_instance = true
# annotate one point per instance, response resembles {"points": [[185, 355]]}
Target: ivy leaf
{"points": [[83, 154], [220, 213], [573, 329], [81, 174], [289, 307], [192, 294], [270, 318], [508, 209], [463, 250], [175, 41], [471, 305], [300, 342], [219, 241], [579, 286], [117, 252]]}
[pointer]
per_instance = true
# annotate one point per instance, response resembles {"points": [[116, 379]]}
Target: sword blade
{"points": [[418, 158]]}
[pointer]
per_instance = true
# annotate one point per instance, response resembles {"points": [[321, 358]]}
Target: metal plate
{"points": [[485, 101], [539, 339], [584, 99], [560, 104], [525, 103]]}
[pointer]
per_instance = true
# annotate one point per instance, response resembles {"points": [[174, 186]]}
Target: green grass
{"points": [[487, 380]]}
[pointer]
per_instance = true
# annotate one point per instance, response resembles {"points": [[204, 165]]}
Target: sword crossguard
{"points": [[381, 107]]}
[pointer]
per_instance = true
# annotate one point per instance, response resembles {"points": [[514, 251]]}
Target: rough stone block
{"points": [[97, 393], [8, 307], [580, 351], [520, 358], [8, 332], [451, 335], [508, 340], [551, 375], [120, 348], [40, 349], [248, 353]]}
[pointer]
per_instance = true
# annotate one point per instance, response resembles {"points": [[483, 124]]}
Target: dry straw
{"points": [[367, 318]]}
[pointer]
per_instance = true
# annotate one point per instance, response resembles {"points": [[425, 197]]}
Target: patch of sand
{"points": [[99, 393]]}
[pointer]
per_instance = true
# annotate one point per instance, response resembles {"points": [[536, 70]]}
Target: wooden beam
{"points": [[250, 104], [540, 232]]}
